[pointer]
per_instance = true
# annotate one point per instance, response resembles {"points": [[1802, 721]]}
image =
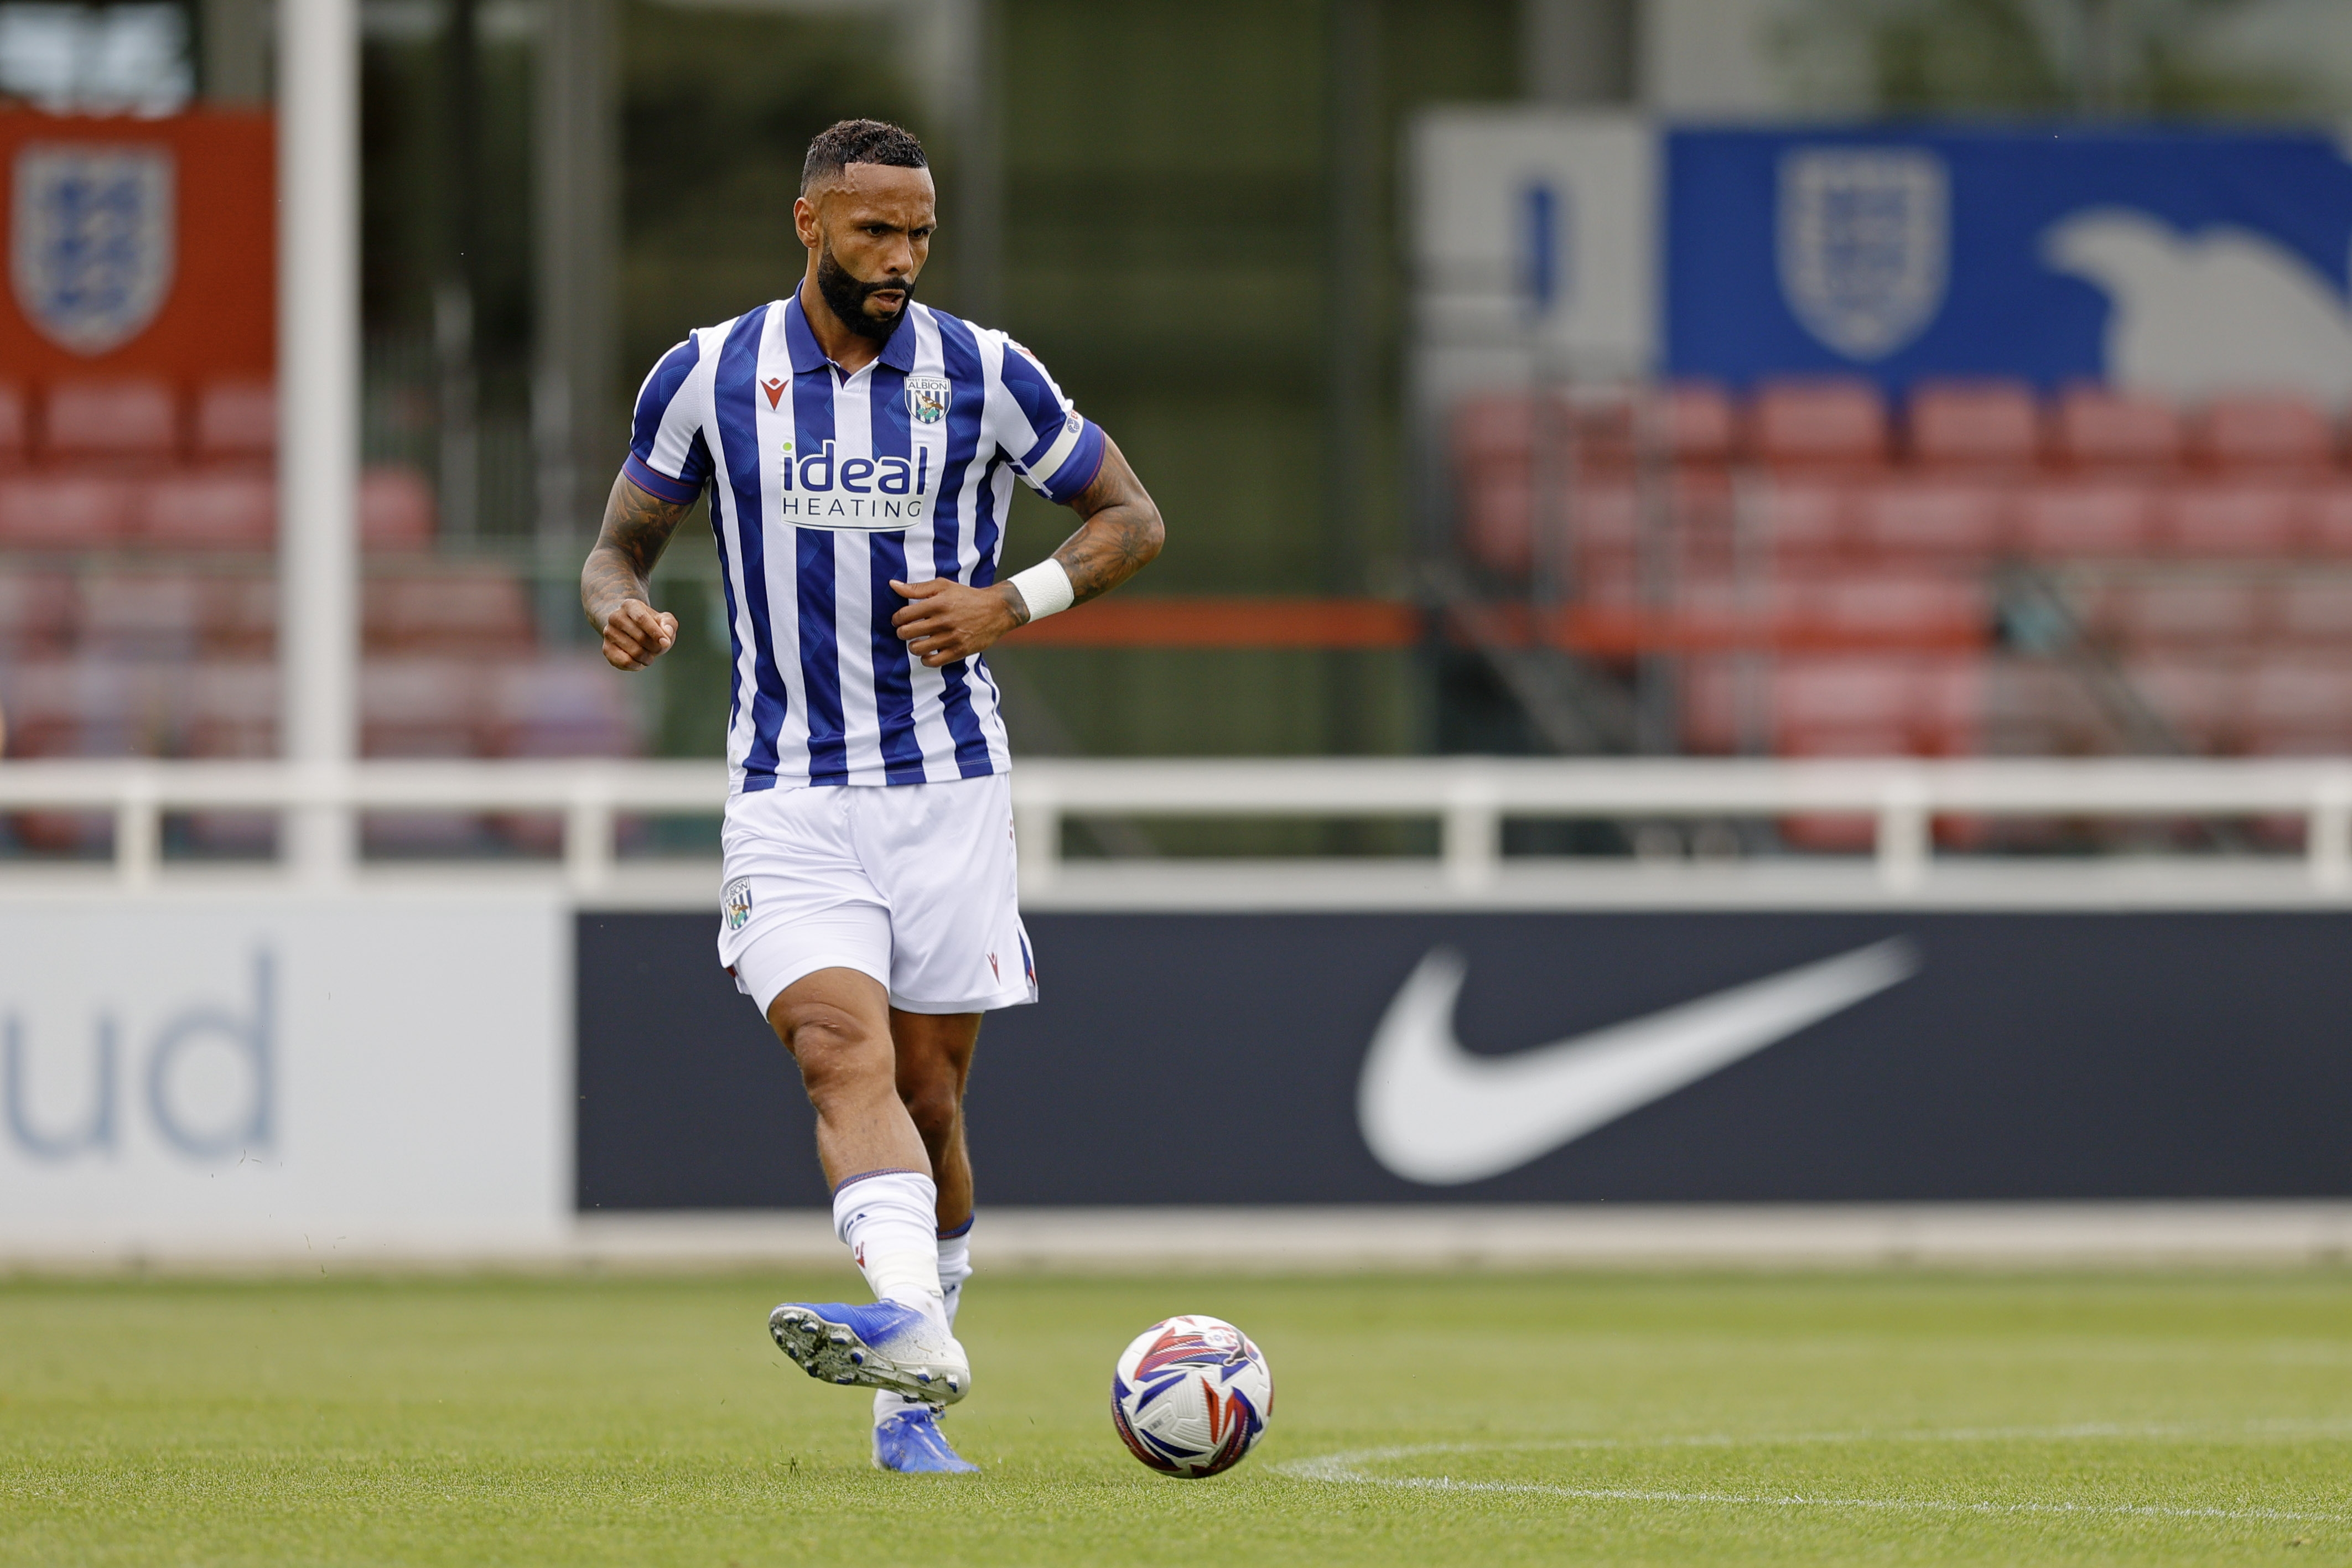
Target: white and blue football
{"points": [[1191, 1397]]}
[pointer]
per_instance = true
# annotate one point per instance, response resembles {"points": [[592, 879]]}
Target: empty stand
{"points": [[473, 610], [15, 426], [2067, 519], [2244, 519], [38, 615], [116, 422], [420, 707], [559, 707], [396, 510], [2315, 609], [1953, 519], [1990, 424]]}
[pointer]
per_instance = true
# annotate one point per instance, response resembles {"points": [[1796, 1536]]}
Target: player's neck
{"points": [[853, 352]]}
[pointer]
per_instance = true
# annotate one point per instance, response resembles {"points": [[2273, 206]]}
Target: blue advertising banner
{"points": [[2180, 262]]}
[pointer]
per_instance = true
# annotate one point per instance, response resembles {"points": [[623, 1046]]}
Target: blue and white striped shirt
{"points": [[823, 489]]}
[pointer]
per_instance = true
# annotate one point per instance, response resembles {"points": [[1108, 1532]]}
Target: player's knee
{"points": [[933, 1107], [838, 1053]]}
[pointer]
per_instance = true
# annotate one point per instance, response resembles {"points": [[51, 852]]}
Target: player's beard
{"points": [[847, 296]]}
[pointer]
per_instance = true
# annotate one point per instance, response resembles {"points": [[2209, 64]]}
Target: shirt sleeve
{"points": [[666, 459], [1056, 451]]}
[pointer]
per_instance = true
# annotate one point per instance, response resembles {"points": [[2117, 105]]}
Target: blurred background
{"points": [[1619, 456]]}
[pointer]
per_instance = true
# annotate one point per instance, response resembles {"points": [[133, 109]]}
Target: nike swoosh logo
{"points": [[1434, 1113]]}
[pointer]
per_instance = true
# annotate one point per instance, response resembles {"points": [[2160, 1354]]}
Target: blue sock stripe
{"points": [[869, 1176], [963, 1229]]}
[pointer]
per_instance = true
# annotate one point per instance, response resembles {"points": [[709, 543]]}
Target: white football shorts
{"points": [[913, 884]]}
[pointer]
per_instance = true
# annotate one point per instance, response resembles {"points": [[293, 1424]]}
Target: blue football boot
{"points": [[912, 1442], [880, 1345]]}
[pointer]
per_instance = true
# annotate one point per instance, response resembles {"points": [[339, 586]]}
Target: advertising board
{"points": [[1494, 1057]]}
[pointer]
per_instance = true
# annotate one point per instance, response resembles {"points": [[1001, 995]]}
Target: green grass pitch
{"points": [[1472, 1421]]}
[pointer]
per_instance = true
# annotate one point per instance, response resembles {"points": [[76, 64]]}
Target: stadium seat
{"points": [[421, 707], [236, 422], [115, 423], [448, 611], [2199, 698], [2096, 429], [60, 512], [232, 708], [2093, 518], [209, 511], [1801, 520], [1950, 520], [1825, 423], [560, 706], [1989, 424], [143, 615], [2268, 434], [2298, 706], [1888, 609], [2316, 609], [2246, 519], [2328, 524], [240, 615], [38, 615], [2170, 612], [396, 510], [1698, 423], [15, 426]]}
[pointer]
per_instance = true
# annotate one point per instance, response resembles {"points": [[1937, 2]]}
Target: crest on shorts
{"points": [[1866, 244], [927, 397], [91, 247], [735, 903]]}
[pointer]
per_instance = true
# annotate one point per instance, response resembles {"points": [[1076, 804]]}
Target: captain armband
{"points": [[1045, 588]]}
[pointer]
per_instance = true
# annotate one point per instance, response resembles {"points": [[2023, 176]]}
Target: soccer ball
{"points": [[1191, 1397]]}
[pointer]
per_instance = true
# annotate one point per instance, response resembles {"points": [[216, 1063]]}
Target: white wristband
{"points": [[1045, 588]]}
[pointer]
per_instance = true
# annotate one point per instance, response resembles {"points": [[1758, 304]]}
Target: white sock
{"points": [[889, 1219], [955, 1267]]}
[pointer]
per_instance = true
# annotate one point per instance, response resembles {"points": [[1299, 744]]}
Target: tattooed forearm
{"points": [[638, 527], [1121, 533]]}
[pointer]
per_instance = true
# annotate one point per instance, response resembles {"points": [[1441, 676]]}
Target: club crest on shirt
{"points": [[735, 903], [927, 397]]}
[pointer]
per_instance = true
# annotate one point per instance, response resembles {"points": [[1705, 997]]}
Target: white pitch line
{"points": [[1341, 1469]]}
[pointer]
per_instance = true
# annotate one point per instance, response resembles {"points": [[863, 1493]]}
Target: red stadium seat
{"points": [[2173, 612], [1889, 607], [1944, 518], [2270, 434], [37, 615], [2316, 609], [1804, 518], [119, 423], [447, 612], [2085, 517], [2094, 428], [1826, 422], [143, 615], [420, 707], [241, 616], [2299, 706], [2199, 698], [57, 511], [2328, 528], [571, 706], [2244, 519], [1697, 423], [1976, 425], [396, 510], [15, 426], [209, 511], [237, 421], [232, 710]]}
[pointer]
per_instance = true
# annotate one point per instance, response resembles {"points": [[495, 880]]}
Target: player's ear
{"points": [[805, 222]]}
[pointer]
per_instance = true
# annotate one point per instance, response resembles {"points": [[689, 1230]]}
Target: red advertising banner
{"points": [[138, 247]]}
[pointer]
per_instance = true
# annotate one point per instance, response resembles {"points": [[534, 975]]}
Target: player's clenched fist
{"points": [[946, 620], [636, 634]]}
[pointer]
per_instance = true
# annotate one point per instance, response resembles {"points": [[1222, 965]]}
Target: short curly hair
{"points": [[849, 142]]}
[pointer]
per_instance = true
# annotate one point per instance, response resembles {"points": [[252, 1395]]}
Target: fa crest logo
{"points": [[91, 241], [927, 397], [1865, 242], [735, 903]]}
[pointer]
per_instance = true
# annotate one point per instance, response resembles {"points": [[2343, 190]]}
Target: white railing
{"points": [[1470, 797]]}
